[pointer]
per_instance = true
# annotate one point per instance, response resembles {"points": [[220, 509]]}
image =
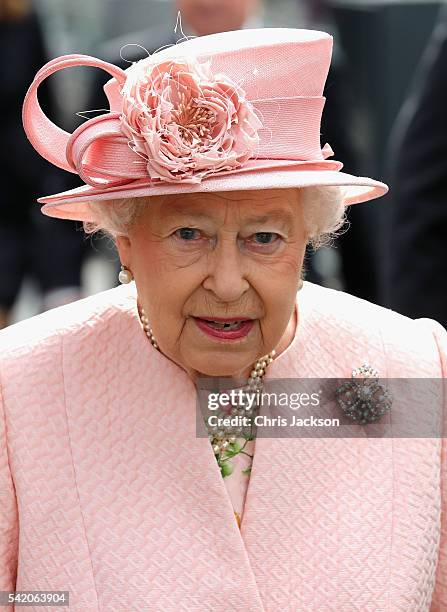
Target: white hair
{"points": [[323, 207]]}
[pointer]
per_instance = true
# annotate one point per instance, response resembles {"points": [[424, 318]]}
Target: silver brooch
{"points": [[363, 399]]}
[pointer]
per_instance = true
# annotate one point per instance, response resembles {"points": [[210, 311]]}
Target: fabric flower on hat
{"points": [[186, 122]]}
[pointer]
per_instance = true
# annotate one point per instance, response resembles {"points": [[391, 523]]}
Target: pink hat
{"points": [[231, 111]]}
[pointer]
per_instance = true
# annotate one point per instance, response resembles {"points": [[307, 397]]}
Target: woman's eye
{"points": [[187, 233], [265, 237]]}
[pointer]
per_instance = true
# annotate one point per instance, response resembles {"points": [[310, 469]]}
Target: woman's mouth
{"points": [[225, 329]]}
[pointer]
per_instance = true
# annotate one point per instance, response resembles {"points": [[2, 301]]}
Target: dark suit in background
{"points": [[31, 243], [353, 246], [415, 283]]}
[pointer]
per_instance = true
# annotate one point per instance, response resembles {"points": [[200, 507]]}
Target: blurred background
{"points": [[384, 118]]}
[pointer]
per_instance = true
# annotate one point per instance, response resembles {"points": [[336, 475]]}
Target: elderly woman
{"points": [[208, 174]]}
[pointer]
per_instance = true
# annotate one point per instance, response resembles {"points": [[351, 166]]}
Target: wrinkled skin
{"points": [[241, 257]]}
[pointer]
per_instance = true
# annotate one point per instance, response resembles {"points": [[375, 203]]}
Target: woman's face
{"points": [[203, 260]]}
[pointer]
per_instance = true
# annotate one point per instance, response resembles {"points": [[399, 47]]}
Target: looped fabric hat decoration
{"points": [[232, 111]]}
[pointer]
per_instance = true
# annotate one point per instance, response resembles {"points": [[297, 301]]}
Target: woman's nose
{"points": [[225, 273]]}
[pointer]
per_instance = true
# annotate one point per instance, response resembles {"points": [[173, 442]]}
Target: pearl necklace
{"points": [[221, 437]]}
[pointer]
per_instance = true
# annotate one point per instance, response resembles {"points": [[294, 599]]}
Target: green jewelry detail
{"points": [[224, 459], [224, 441]]}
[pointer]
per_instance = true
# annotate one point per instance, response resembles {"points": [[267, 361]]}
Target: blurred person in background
{"points": [[204, 17], [416, 276], [31, 244]]}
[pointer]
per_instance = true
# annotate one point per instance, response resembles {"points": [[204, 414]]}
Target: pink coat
{"points": [[106, 492]]}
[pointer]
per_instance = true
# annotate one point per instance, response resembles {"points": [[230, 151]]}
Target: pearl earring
{"points": [[300, 284], [125, 276]]}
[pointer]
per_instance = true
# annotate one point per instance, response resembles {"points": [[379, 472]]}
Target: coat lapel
{"points": [[158, 521]]}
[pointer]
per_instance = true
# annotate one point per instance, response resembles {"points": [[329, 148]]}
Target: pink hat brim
{"points": [[73, 204]]}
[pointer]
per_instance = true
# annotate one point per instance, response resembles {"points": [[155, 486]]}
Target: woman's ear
{"points": [[123, 247]]}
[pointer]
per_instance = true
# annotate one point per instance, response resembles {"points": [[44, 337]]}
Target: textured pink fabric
{"points": [[107, 492], [274, 77]]}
